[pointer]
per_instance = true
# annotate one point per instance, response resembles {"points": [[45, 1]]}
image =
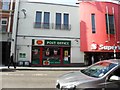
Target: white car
{"points": [[103, 74]]}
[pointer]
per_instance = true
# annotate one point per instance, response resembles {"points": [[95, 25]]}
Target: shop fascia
{"points": [[102, 47], [57, 42], [53, 42]]}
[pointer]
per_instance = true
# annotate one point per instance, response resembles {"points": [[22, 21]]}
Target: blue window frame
{"points": [[5, 5], [66, 21], [38, 19], [93, 23], [46, 20], [58, 21]]}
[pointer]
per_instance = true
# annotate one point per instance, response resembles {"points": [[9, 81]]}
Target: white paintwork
{"points": [[26, 28]]}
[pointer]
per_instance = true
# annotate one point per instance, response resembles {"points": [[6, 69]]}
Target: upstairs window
{"points": [[46, 23], [58, 21], [110, 24], [93, 23], [38, 19], [4, 22], [66, 21], [5, 5]]}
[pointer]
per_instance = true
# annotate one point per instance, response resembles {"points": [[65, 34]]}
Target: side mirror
{"points": [[114, 78]]}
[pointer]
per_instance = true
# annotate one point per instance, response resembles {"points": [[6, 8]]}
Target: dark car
{"points": [[103, 74]]}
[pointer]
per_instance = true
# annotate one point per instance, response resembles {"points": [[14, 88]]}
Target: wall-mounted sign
{"points": [[93, 46], [102, 47], [58, 42], [39, 42], [22, 55], [51, 42]]}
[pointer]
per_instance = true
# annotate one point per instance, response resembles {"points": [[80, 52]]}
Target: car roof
{"points": [[116, 61]]}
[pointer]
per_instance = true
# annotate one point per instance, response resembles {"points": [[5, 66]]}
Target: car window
{"points": [[115, 73], [98, 69]]}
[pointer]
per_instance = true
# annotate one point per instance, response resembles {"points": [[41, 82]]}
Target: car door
{"points": [[113, 83]]}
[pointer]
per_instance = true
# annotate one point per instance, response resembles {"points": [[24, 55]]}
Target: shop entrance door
{"points": [[35, 55], [5, 52], [66, 55]]}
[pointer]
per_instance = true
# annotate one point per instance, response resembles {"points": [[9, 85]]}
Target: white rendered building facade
{"points": [[47, 34]]}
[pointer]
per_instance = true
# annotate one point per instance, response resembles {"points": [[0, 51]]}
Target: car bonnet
{"points": [[75, 77]]}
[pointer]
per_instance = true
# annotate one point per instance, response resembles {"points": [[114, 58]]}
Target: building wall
{"points": [[96, 43], [100, 37], [30, 19], [27, 32], [6, 23], [6, 12]]}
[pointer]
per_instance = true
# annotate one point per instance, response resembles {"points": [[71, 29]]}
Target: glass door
{"points": [[66, 55], [35, 55]]}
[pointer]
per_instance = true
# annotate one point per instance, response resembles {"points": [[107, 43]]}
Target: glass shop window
{"points": [[51, 54]]}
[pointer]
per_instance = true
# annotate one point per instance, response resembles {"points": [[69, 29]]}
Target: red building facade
{"points": [[100, 30], [6, 25]]}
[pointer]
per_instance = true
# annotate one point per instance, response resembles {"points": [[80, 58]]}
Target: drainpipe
{"points": [[8, 28], [10, 15], [15, 29], [114, 33]]}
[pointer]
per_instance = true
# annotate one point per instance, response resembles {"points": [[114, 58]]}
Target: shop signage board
{"points": [[58, 42], [22, 59], [52, 42], [104, 47], [52, 52], [22, 55], [38, 42]]}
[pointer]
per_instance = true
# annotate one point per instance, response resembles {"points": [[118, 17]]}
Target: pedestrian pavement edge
{"points": [[43, 68]]}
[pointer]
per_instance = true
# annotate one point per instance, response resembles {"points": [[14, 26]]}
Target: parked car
{"points": [[103, 74]]}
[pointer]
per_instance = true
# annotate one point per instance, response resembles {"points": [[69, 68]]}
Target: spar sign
{"points": [[102, 47]]}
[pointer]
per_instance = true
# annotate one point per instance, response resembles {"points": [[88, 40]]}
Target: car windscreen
{"points": [[99, 69]]}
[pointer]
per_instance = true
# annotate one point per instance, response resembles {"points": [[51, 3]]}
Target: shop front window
{"points": [[51, 55]]}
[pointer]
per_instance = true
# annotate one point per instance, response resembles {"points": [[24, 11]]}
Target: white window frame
{"points": [[3, 25], [4, 19]]}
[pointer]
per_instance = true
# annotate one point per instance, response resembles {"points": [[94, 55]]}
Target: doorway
{"points": [[5, 52], [66, 55]]}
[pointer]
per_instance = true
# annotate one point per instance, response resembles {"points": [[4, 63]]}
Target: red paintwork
{"points": [[100, 37], [61, 56], [41, 54]]}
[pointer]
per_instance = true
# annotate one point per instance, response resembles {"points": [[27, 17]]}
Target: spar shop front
{"points": [[51, 52]]}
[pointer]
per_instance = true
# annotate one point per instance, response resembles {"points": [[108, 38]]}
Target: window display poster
{"points": [[51, 54], [46, 62], [66, 55], [55, 52], [36, 51], [47, 52]]}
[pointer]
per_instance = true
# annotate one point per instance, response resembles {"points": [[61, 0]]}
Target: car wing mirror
{"points": [[114, 78]]}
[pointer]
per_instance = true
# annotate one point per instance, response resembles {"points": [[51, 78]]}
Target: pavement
{"points": [[41, 68]]}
